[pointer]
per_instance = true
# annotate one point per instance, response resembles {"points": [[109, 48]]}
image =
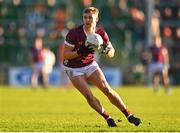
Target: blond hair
{"points": [[92, 10]]}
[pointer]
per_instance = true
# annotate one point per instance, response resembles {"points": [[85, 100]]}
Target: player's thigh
{"points": [[81, 84], [98, 79]]}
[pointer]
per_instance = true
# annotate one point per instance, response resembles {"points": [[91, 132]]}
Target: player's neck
{"points": [[89, 30]]}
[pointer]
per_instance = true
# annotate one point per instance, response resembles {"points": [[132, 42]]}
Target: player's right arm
{"points": [[69, 45], [69, 53], [83, 50]]}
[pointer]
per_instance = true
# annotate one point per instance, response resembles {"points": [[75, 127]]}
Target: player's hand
{"points": [[85, 50], [104, 49]]}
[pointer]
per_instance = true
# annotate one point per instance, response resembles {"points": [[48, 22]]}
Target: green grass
{"points": [[59, 110]]}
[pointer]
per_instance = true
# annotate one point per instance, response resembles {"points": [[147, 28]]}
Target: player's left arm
{"points": [[109, 50], [107, 47]]}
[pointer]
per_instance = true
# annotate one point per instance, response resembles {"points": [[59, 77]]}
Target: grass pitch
{"points": [[58, 109]]}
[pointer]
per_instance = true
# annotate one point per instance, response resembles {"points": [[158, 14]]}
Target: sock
{"points": [[105, 115], [127, 113]]}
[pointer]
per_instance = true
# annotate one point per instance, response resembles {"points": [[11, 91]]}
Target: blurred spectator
{"points": [[87, 3], [168, 35], [21, 35], [35, 20], [156, 23], [1, 35], [137, 15], [144, 57], [60, 17]]}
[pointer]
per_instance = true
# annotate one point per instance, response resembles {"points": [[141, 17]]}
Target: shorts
{"points": [[154, 67], [87, 70], [39, 67]]}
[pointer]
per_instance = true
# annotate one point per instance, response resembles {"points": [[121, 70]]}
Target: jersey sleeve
{"points": [[70, 38], [104, 35]]}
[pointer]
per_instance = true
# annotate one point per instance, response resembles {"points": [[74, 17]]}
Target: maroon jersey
{"points": [[37, 55], [157, 53], [77, 37]]}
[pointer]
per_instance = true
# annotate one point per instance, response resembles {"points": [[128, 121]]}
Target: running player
{"points": [[81, 68]]}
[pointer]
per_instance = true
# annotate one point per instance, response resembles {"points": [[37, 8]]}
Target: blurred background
{"points": [[131, 25]]}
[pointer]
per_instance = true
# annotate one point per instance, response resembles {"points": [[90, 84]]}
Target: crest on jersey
{"points": [[80, 43]]}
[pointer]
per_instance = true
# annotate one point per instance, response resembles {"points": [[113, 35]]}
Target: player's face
{"points": [[90, 19]]}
